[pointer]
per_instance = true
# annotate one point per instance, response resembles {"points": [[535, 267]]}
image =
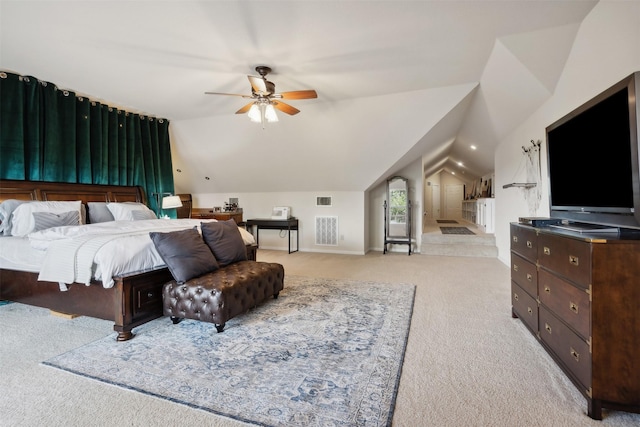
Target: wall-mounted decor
{"points": [[533, 176]]}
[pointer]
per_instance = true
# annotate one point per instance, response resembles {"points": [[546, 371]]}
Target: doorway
{"points": [[453, 196], [435, 201]]}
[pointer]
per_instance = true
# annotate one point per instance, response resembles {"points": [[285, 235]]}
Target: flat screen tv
{"points": [[592, 159]]}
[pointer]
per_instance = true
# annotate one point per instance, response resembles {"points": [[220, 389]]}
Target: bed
{"points": [[131, 299]]}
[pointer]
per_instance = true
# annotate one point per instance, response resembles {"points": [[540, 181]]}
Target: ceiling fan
{"points": [[265, 99]]}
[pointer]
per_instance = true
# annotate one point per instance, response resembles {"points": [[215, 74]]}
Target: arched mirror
{"points": [[397, 213]]}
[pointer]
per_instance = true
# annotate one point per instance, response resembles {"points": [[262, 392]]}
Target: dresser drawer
{"points": [[569, 258], [569, 303], [524, 242], [524, 306], [572, 350], [524, 273]]}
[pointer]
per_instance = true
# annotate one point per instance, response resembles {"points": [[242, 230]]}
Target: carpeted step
{"points": [[483, 245]]}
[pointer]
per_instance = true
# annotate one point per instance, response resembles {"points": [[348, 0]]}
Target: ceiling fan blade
{"points": [[299, 94], [285, 108], [245, 108], [228, 94], [258, 85]]}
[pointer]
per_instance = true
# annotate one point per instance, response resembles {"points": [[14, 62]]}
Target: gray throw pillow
{"points": [[225, 241], [98, 212], [140, 215], [44, 220], [185, 253], [6, 209]]}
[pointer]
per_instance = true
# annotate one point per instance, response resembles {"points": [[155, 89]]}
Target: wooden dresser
{"points": [[580, 295], [204, 213]]}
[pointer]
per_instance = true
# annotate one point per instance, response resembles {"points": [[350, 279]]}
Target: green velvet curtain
{"points": [[49, 134]]}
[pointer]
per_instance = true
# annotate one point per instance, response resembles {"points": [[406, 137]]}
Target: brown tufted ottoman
{"points": [[224, 293]]}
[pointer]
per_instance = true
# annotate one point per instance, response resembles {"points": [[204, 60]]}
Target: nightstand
{"points": [[205, 213]]}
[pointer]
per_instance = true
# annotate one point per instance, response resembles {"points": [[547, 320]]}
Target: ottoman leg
{"points": [[220, 327], [176, 320]]}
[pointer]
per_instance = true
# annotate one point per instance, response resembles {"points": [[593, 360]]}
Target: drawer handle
{"points": [[515, 296], [575, 354], [573, 307], [515, 267], [573, 260], [547, 290], [547, 327], [529, 244], [546, 251], [515, 239], [529, 277], [529, 310], [150, 295]]}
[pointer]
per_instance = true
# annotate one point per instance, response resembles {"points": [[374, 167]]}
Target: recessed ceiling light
{"points": [[460, 164], [473, 147], [453, 173]]}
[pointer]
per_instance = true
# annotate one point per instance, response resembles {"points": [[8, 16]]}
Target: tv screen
{"points": [[592, 159]]}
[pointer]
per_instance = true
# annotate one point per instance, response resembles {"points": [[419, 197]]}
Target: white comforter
{"points": [[104, 250]]}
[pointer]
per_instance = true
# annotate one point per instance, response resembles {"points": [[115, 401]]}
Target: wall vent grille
{"points": [[323, 201], [327, 230]]}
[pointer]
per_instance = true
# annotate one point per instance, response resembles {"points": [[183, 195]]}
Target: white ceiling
{"points": [[396, 80]]}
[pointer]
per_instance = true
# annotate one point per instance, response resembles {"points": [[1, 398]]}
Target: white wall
{"points": [[606, 49], [347, 206]]}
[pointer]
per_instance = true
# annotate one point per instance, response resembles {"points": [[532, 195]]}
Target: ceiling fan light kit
{"points": [[263, 92], [262, 112]]}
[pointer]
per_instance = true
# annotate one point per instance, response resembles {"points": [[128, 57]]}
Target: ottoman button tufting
{"points": [[224, 293]]}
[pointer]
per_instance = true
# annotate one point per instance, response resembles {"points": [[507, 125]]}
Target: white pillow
{"points": [[123, 211], [23, 223]]}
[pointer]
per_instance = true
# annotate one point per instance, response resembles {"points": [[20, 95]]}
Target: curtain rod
{"points": [[3, 75]]}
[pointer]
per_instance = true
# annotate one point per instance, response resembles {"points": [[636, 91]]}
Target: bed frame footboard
{"points": [[133, 300]]}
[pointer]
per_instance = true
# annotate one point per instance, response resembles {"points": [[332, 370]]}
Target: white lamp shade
{"points": [[254, 113], [170, 202], [270, 114]]}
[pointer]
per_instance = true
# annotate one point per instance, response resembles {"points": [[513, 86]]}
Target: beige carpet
{"points": [[467, 361]]}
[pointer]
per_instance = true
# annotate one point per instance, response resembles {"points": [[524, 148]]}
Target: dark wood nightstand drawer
{"points": [[572, 350], [569, 258], [524, 273], [200, 213], [568, 302]]}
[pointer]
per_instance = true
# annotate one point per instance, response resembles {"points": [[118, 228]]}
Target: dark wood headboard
{"points": [[61, 191]]}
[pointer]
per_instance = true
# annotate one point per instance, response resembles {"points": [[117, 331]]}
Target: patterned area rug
{"points": [[326, 352], [456, 230], [446, 221]]}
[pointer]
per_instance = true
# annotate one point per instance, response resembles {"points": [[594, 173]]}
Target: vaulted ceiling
{"points": [[396, 81]]}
